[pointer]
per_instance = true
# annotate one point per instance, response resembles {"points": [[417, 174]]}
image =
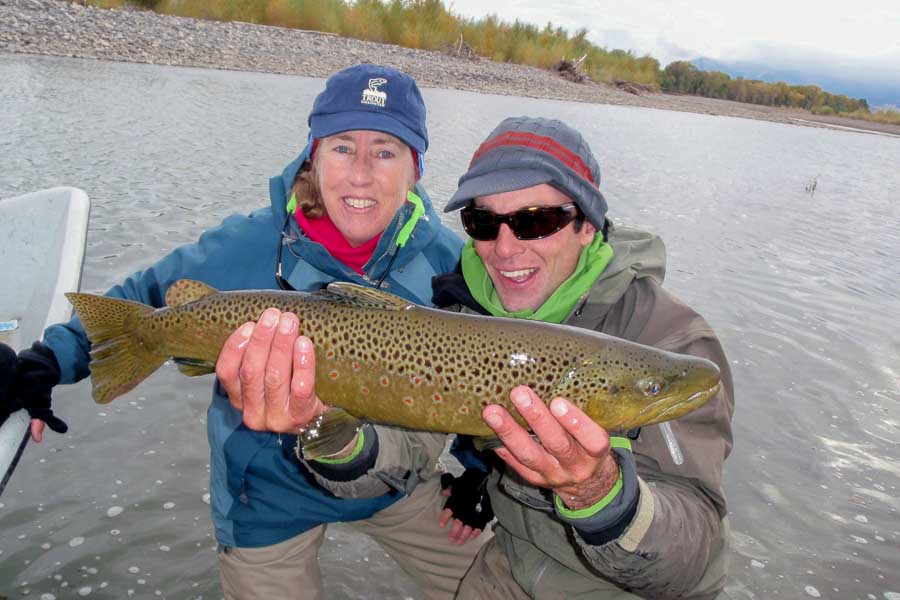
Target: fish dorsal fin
{"points": [[364, 297], [187, 290]]}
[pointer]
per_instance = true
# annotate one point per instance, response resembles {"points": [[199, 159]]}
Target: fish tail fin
{"points": [[119, 359]]}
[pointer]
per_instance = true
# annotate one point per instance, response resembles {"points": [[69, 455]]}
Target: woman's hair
{"points": [[306, 190]]}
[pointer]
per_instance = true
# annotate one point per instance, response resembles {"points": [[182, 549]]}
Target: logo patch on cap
{"points": [[372, 95]]}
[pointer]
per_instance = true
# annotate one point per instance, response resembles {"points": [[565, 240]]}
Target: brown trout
{"points": [[386, 360]]}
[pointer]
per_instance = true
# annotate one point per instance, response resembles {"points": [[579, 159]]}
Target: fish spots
{"points": [[437, 398], [463, 410], [364, 390], [385, 381], [415, 380], [330, 354], [333, 374], [356, 367], [408, 400]]}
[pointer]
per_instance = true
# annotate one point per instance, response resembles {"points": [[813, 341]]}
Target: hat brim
{"points": [[332, 124], [495, 182]]}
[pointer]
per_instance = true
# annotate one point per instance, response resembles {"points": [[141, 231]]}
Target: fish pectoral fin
{"points": [[491, 443], [188, 290], [486, 443], [329, 433], [362, 296], [193, 367]]}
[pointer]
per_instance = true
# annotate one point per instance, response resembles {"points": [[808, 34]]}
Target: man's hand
{"points": [[468, 505], [269, 373], [573, 458]]}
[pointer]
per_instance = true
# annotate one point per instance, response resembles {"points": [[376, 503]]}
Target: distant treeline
{"points": [[684, 77], [429, 25]]}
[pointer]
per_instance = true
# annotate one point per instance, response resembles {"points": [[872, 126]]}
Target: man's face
{"points": [[527, 272]]}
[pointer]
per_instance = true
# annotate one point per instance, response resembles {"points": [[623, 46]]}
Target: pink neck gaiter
{"points": [[323, 231]]}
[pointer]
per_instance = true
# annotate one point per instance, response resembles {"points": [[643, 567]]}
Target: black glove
{"points": [[26, 381], [8, 363], [469, 499]]}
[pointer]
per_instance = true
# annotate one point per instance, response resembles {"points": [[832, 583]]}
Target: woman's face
{"points": [[363, 178]]}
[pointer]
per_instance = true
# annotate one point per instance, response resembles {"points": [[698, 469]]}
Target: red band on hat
{"points": [[536, 142]]}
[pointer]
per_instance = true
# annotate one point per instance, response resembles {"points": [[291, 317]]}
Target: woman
{"points": [[347, 209]]}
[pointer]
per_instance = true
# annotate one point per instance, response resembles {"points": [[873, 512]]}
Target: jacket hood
{"points": [[280, 185], [636, 254]]}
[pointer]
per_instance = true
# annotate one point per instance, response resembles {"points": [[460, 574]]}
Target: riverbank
{"points": [[58, 28]]}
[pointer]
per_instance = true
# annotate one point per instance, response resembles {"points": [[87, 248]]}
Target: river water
{"points": [[802, 285]]}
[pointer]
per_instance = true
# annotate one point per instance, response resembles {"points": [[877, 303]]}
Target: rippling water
{"points": [[802, 287]]}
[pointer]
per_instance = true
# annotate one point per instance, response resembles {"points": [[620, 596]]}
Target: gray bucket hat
{"points": [[526, 151]]}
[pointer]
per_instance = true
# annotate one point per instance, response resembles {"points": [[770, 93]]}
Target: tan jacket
{"points": [[676, 544]]}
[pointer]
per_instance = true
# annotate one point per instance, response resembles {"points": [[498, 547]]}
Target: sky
{"points": [[840, 37]]}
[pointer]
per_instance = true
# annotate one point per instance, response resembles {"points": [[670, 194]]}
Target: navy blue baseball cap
{"points": [[523, 152], [371, 97]]}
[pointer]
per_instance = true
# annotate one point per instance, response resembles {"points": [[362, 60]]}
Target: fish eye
{"points": [[650, 387]]}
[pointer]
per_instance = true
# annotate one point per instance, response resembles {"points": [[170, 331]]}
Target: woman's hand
{"points": [[269, 373]]}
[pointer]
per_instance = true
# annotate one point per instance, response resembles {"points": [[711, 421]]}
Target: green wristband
{"points": [[360, 440], [590, 511]]}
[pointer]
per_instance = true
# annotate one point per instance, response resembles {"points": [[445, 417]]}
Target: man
{"points": [[585, 513]]}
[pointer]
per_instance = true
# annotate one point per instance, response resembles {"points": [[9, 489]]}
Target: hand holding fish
{"points": [[268, 372], [573, 459]]}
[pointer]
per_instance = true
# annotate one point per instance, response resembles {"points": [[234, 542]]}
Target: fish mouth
{"points": [[664, 410]]}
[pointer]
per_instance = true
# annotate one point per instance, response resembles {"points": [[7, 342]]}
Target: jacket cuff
{"points": [[354, 465], [610, 517]]}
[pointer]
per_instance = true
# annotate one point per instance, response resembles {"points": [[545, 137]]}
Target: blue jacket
{"points": [[261, 494]]}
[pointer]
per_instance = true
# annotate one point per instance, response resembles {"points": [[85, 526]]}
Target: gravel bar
{"points": [[60, 28]]}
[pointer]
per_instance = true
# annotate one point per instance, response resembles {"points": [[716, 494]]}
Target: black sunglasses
{"points": [[532, 223]]}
